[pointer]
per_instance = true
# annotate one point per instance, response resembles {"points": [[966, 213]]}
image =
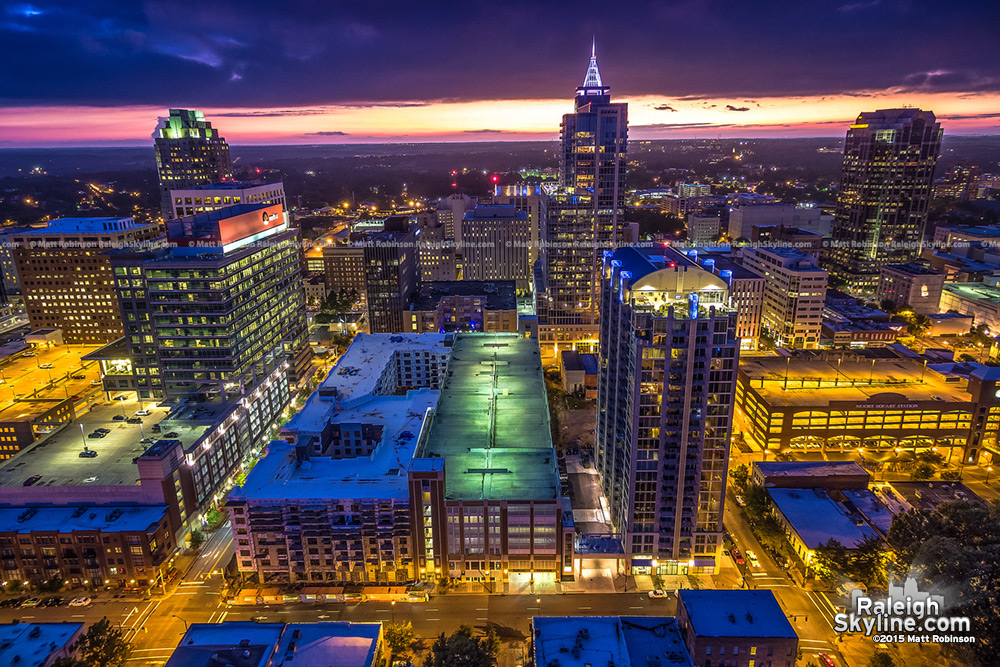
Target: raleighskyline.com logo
{"points": [[905, 615]]}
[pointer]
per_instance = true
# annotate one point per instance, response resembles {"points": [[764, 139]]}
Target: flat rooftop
{"points": [[735, 613], [20, 645], [498, 294], [105, 225], [237, 644], [871, 508], [491, 424], [635, 641], [231, 185], [974, 291], [56, 457], [330, 644], [814, 380], [817, 518], [773, 469], [383, 475], [359, 369], [68, 519]]}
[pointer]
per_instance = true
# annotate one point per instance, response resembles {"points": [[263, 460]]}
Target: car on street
{"points": [[88, 454], [52, 602], [825, 660], [147, 441], [119, 418], [737, 556], [156, 428], [752, 557], [31, 480], [172, 434], [79, 602], [79, 376], [29, 354], [96, 383], [12, 602], [31, 602], [97, 434], [142, 413], [740, 501], [45, 366], [102, 430], [133, 420], [658, 593]]}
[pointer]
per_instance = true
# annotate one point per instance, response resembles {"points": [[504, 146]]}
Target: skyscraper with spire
{"points": [[585, 216]]}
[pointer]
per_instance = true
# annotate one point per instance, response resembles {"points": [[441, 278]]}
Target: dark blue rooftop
{"points": [[735, 613]]}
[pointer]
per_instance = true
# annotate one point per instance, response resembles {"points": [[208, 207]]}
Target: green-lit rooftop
{"points": [[491, 424]]}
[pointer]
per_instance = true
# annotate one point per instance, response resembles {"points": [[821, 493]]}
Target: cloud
{"points": [[664, 107], [485, 131], [327, 133], [857, 6], [730, 107], [270, 113]]}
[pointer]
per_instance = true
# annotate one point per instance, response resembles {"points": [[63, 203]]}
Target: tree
{"points": [[881, 659], [741, 477], [103, 645], [758, 503], [197, 539], [399, 637], [922, 471], [463, 649], [831, 561]]}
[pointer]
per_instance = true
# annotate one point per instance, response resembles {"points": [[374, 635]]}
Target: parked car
{"points": [[147, 441], [79, 602], [31, 480], [95, 434], [31, 602], [752, 557], [142, 413], [78, 376], [155, 428], [737, 556], [88, 454], [46, 366], [29, 354], [102, 430], [119, 418], [740, 501], [96, 383], [133, 420], [12, 602], [172, 434], [52, 602], [658, 593]]}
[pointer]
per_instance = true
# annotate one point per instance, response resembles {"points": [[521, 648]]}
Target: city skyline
{"points": [[724, 72]]}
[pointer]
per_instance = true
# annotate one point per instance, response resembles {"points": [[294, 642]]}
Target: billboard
{"points": [[247, 224]]}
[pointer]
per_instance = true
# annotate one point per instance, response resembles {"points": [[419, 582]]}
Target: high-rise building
{"points": [[885, 191], [65, 274], [211, 197], [668, 362], [794, 293], [436, 253], [495, 244], [915, 284], [189, 152], [531, 200], [220, 309], [390, 275], [586, 216], [344, 268]]}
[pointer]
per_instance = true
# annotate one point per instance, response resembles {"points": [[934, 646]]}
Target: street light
{"points": [[121, 400], [988, 471], [392, 605], [182, 621]]}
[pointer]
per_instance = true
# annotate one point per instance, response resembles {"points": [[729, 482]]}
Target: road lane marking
{"points": [[583, 607], [481, 609], [636, 607]]}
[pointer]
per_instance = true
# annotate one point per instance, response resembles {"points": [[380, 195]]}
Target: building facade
{"points": [[189, 152], [885, 192], [390, 258], [496, 239], [344, 268], [202, 198], [464, 305], [668, 354], [65, 274], [914, 284], [220, 310], [794, 293], [586, 216]]}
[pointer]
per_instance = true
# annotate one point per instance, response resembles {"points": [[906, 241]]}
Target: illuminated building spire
{"points": [[593, 78]]}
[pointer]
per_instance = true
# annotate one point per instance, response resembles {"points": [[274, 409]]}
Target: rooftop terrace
{"points": [[491, 424]]}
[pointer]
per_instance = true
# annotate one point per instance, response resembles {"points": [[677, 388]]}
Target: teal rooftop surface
{"points": [[491, 424]]}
